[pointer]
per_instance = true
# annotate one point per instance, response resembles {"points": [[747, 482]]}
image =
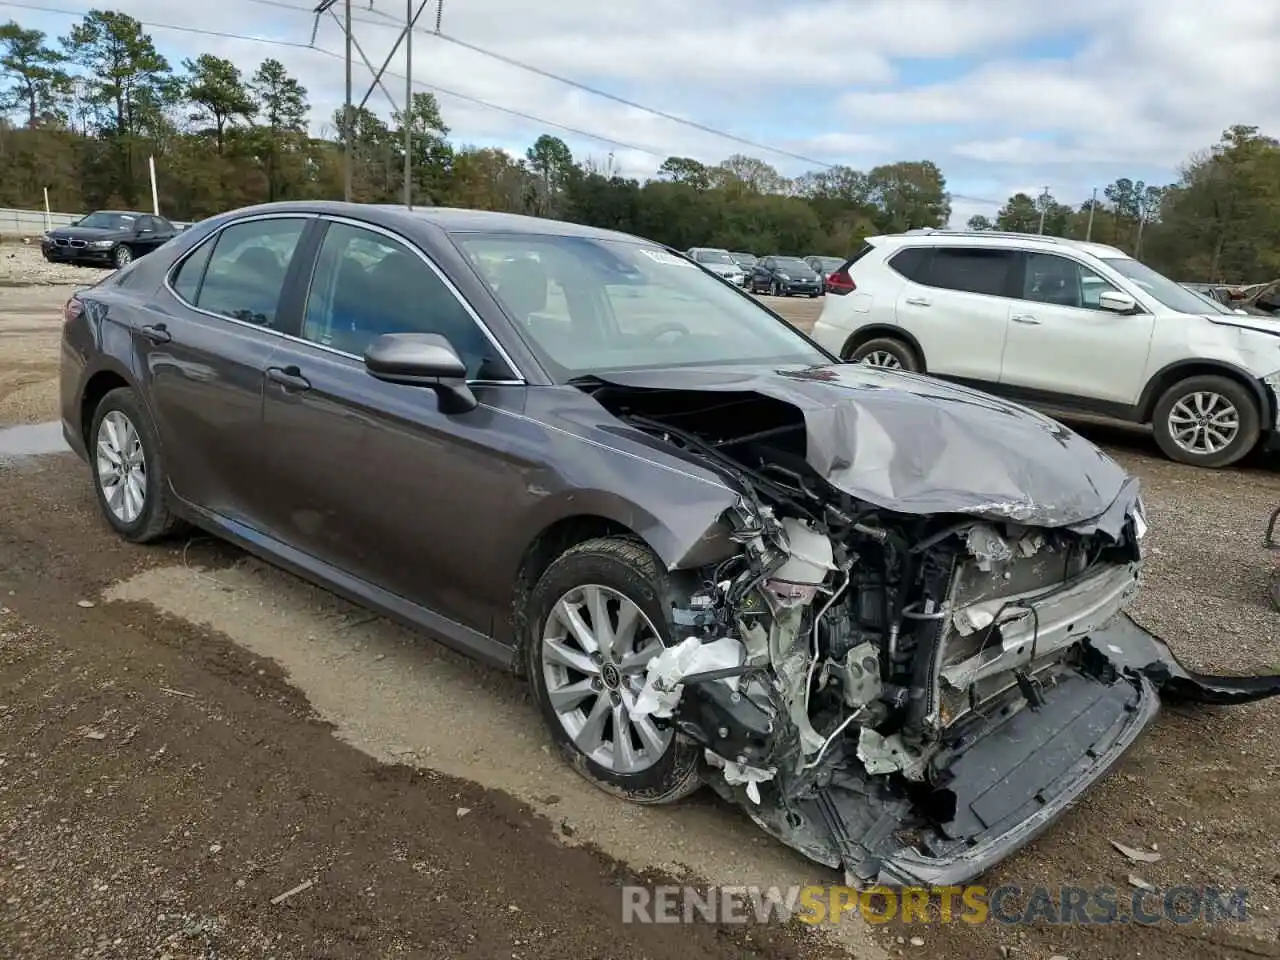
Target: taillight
{"points": [[841, 283], [72, 309]]}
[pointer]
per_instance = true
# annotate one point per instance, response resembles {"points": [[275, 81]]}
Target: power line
{"points": [[510, 111], [595, 91], [299, 45], [576, 84]]}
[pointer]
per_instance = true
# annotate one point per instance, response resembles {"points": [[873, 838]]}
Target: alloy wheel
{"points": [[882, 358], [1204, 423], [596, 646], [124, 256], [122, 467]]}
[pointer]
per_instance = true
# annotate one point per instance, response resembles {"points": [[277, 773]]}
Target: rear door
{"points": [[1062, 345], [956, 304], [203, 346]]}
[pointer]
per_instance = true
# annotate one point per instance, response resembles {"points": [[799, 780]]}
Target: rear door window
{"points": [[247, 269], [973, 270]]}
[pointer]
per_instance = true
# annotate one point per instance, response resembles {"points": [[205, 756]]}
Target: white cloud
{"points": [[1155, 81], [1135, 85]]}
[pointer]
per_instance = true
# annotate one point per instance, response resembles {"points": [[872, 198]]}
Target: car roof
{"points": [[929, 237], [448, 219]]}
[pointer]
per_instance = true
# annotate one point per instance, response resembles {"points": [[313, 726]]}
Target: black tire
{"points": [[155, 520], [631, 569], [813, 296], [898, 349], [1246, 437], [122, 256]]}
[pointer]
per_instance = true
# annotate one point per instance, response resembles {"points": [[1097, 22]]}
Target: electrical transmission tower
{"points": [[413, 10]]}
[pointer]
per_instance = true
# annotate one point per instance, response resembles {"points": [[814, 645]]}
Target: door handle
{"points": [[158, 333], [917, 301], [289, 377], [1024, 318]]}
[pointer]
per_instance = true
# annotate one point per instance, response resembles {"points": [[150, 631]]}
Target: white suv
{"points": [[1066, 325]]}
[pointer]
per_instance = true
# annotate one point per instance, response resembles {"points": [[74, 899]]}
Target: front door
{"points": [[1062, 345], [371, 477], [204, 353]]}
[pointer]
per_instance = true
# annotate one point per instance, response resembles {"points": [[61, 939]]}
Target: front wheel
{"points": [[596, 619], [122, 256], [1207, 421]]}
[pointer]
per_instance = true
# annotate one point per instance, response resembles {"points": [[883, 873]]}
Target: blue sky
{"points": [[1004, 95]]}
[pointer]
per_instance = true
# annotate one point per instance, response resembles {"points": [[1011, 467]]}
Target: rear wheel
{"points": [[1208, 421], [596, 618], [128, 470], [888, 352]]}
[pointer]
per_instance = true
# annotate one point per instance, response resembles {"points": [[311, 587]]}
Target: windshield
{"points": [[830, 264], [107, 221], [1172, 295], [589, 306], [799, 266], [713, 256], [745, 259]]}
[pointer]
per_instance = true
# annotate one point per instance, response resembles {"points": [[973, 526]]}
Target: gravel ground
{"points": [[22, 265], [186, 733]]}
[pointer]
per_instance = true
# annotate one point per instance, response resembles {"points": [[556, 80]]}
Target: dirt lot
{"points": [[186, 733]]}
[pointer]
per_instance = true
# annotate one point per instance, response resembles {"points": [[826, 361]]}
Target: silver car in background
{"points": [[720, 263]]}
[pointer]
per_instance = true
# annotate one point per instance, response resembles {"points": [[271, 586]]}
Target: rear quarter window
{"points": [[912, 263]]}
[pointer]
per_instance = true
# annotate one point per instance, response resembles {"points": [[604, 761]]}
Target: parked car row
{"points": [[1065, 325], [776, 275]]}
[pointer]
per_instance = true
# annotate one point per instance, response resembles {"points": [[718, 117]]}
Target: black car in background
{"points": [[784, 276], [745, 260], [113, 238]]}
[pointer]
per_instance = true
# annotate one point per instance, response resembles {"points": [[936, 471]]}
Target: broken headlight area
{"points": [[906, 697]]}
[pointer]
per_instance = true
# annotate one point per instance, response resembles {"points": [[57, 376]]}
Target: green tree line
{"points": [[80, 114]]}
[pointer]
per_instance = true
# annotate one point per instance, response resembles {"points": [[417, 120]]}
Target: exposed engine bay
{"points": [[905, 696]]}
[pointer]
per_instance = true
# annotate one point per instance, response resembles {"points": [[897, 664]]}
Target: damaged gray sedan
{"points": [[883, 614]]}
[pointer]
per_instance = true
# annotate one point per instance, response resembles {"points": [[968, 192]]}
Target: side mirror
{"points": [[422, 360], [1117, 302]]}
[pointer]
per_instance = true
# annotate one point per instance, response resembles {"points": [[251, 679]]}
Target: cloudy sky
{"points": [[1004, 94]]}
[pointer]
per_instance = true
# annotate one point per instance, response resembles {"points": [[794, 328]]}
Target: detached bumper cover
{"points": [[1001, 783]]}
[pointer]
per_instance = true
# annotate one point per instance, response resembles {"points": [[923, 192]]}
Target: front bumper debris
{"points": [[1002, 777]]}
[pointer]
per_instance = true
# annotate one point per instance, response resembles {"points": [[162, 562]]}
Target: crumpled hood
{"points": [[918, 445]]}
